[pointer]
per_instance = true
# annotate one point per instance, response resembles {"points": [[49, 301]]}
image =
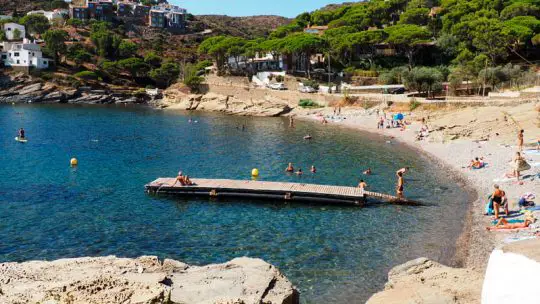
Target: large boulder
{"points": [[143, 280], [423, 281]]}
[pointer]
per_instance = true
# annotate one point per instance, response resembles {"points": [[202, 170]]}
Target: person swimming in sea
{"points": [[290, 168], [313, 169], [299, 172], [368, 171]]}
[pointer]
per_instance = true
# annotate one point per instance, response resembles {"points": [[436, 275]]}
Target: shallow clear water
{"points": [[332, 254]]}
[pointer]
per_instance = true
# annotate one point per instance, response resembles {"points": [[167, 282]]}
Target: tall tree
{"points": [[55, 42], [35, 24], [409, 38]]}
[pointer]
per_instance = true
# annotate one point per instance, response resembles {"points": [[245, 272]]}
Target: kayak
{"points": [[22, 140]]}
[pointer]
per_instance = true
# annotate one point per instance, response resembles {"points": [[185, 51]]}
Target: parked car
{"points": [[396, 91], [277, 86], [308, 89]]}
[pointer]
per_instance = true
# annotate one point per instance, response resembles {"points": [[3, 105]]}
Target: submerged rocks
{"points": [[143, 280]]}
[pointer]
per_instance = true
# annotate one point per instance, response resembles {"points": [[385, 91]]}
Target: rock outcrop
{"points": [[106, 280], [423, 281], [174, 98]]}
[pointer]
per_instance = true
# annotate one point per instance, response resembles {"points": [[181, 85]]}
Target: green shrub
{"points": [[87, 75], [311, 83], [413, 104], [308, 103]]}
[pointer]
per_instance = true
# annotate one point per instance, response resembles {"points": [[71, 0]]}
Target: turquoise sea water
{"points": [[332, 254]]}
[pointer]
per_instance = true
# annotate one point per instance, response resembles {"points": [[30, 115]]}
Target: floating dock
{"points": [[227, 188]]}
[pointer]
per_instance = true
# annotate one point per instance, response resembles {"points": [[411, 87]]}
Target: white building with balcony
{"points": [[23, 55]]}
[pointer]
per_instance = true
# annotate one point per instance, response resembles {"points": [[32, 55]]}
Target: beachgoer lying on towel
{"points": [[503, 224]]}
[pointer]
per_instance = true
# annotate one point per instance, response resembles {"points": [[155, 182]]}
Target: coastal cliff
{"points": [[143, 280]]}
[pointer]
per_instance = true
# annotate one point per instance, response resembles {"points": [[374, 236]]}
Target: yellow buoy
{"points": [[255, 172], [74, 162]]}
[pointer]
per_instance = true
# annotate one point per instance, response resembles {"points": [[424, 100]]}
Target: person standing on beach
{"points": [[520, 140], [291, 121], [497, 198]]}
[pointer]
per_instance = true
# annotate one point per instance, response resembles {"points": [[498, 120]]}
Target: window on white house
{"points": [[18, 61], [16, 54], [9, 29]]}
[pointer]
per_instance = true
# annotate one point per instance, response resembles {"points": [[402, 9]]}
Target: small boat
{"points": [[308, 137], [21, 140]]}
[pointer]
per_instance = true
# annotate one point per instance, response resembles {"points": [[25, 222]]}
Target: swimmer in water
{"points": [[290, 168], [313, 169], [299, 172], [368, 172]]}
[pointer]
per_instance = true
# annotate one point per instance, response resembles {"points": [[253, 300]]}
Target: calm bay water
{"points": [[332, 254]]}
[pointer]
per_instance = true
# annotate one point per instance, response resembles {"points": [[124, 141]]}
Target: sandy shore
{"points": [[456, 136]]}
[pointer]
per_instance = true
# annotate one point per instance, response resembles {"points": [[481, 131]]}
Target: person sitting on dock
{"points": [[313, 169], [362, 185], [368, 171], [179, 179], [299, 172], [290, 168]]}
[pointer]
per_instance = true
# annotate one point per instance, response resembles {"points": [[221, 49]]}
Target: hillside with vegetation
{"points": [[483, 43], [245, 27]]}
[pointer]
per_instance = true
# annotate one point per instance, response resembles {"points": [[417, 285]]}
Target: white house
{"points": [[57, 14], [23, 55], [11, 28]]}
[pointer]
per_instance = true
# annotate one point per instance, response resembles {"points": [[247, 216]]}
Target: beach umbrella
{"points": [[398, 116]]}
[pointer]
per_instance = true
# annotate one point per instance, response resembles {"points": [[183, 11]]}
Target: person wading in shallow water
{"points": [[401, 181]]}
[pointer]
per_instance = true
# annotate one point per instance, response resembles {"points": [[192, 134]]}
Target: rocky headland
{"points": [[145, 279]]}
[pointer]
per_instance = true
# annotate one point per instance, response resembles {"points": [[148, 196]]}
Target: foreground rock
{"points": [[143, 280], [423, 281], [174, 98]]}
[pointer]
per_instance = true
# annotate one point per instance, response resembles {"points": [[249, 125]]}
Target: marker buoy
{"points": [[255, 172], [74, 162]]}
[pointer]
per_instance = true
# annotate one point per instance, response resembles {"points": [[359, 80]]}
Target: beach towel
{"points": [[512, 221], [532, 152]]}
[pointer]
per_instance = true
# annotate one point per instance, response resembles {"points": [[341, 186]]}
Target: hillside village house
{"points": [[101, 10], [134, 11], [52, 16], [23, 54], [168, 16], [11, 29]]}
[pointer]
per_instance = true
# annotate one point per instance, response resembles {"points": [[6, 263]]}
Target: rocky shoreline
{"points": [[146, 279]]}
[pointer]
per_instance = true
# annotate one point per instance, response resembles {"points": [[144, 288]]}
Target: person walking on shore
{"points": [[520, 140]]}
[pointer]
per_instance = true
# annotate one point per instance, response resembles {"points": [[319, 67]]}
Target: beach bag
{"points": [[522, 165]]}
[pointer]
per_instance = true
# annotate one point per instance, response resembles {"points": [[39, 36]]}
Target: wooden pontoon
{"points": [[227, 188]]}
